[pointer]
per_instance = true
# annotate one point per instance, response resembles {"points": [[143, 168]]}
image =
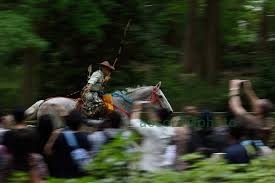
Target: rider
{"points": [[92, 94]]}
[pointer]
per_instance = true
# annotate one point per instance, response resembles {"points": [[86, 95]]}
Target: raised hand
{"points": [[247, 84], [235, 83], [107, 78]]}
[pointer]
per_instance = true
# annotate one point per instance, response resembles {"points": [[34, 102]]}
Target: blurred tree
{"points": [[16, 35], [263, 32], [190, 56], [74, 31], [56, 40], [212, 41]]}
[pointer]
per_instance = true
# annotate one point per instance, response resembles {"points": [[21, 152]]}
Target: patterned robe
{"points": [[93, 105]]}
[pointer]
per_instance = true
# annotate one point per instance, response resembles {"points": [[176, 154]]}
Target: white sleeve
{"points": [[170, 155], [142, 127], [94, 78], [96, 141]]}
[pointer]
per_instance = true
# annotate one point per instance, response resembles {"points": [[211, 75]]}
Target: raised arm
{"points": [[250, 94], [235, 103], [137, 124]]}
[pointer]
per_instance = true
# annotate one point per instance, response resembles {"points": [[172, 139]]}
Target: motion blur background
{"points": [[193, 46]]}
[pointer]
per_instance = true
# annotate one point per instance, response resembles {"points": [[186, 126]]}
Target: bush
{"points": [[200, 171]]}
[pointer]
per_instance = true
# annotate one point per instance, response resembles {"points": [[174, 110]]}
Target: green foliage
{"points": [[193, 91], [264, 83], [209, 170], [88, 18], [20, 177], [201, 171], [74, 34], [16, 33], [114, 158], [9, 90], [240, 27]]}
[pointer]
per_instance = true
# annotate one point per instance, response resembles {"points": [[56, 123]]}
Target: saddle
{"points": [[79, 104], [107, 99]]}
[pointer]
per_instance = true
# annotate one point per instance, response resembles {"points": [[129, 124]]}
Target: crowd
{"points": [[44, 151]]}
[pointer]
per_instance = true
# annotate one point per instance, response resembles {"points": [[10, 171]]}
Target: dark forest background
{"points": [[193, 46]]}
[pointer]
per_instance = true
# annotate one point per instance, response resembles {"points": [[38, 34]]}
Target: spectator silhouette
{"points": [[63, 164]]}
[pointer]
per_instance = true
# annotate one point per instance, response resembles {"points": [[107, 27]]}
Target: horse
{"points": [[121, 102]]}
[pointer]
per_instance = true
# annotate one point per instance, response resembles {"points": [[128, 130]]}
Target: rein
{"points": [[121, 110], [154, 96]]}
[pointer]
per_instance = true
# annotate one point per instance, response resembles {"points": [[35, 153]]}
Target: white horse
{"points": [[121, 101]]}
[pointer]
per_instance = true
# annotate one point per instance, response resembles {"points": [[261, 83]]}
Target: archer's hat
{"points": [[107, 64]]}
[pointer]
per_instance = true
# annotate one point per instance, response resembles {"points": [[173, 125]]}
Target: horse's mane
{"points": [[132, 89]]}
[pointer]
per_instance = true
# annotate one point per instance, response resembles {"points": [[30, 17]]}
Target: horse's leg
{"points": [[55, 111]]}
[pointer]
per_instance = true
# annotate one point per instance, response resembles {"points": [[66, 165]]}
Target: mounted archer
{"points": [[93, 104]]}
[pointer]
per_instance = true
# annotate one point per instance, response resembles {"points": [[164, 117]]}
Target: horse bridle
{"points": [[154, 98]]}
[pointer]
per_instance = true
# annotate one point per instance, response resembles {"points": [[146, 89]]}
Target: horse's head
{"points": [[158, 97], [152, 94]]}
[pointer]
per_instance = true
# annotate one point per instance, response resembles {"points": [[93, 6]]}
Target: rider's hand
{"points": [[87, 89], [107, 78]]}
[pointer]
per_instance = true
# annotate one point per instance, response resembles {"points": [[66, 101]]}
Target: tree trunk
{"points": [[30, 77], [191, 40], [263, 31], [211, 49]]}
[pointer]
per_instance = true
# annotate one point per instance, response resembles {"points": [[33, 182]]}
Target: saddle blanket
{"points": [[108, 101]]}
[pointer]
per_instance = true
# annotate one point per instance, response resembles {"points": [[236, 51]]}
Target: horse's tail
{"points": [[31, 112]]}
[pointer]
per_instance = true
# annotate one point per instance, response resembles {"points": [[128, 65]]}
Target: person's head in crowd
{"points": [[44, 128], [237, 132], [45, 124], [190, 111], [113, 120], [164, 116], [159, 115], [74, 120], [1, 116], [263, 107], [3, 120], [176, 121], [206, 119], [19, 115]]}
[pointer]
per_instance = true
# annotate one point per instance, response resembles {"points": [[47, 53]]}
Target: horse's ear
{"points": [[158, 85]]}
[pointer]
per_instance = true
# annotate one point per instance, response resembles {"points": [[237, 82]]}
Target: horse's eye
{"points": [[160, 96]]}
